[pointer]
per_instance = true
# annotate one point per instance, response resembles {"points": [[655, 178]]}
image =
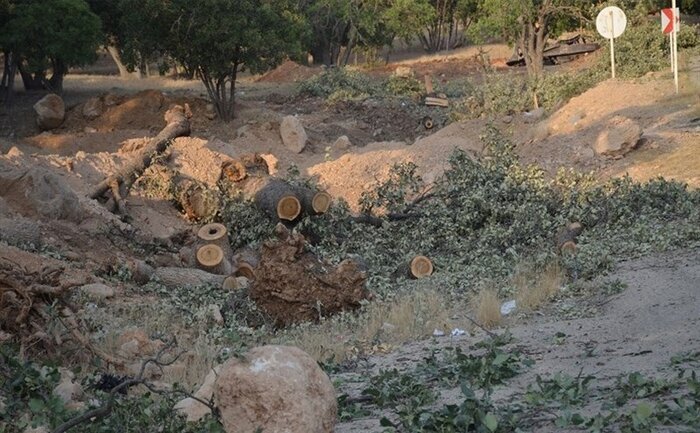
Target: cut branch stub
{"points": [[279, 200], [420, 267], [321, 202], [234, 170], [245, 269]]}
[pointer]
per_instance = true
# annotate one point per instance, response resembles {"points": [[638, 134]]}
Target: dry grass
{"points": [[376, 328], [487, 308], [534, 287]]}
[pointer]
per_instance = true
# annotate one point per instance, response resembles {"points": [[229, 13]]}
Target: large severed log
{"points": [[115, 187], [279, 200], [182, 277]]}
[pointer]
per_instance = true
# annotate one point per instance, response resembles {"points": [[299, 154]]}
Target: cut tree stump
{"points": [[294, 286], [211, 258], [279, 200], [418, 267], [212, 251], [114, 189]]}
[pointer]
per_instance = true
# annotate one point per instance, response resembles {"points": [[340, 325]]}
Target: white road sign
{"points": [[611, 22]]}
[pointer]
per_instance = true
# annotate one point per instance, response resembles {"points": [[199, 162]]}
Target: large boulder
{"points": [[41, 192], [293, 134], [277, 389], [619, 136], [50, 112]]}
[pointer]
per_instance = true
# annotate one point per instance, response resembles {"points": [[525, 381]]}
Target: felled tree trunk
{"points": [[180, 277], [294, 286], [115, 187], [279, 200]]}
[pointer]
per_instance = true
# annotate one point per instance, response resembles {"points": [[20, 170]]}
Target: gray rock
{"points": [[342, 143], [293, 134], [50, 112], [619, 136], [93, 108], [98, 291]]}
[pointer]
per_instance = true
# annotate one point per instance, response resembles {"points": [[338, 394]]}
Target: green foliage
{"points": [[562, 390], [391, 389], [52, 34], [485, 214], [408, 86], [335, 81], [27, 400], [472, 415], [216, 38]]}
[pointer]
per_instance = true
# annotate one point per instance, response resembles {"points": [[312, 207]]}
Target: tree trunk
{"points": [[55, 83], [31, 82], [181, 277], [416, 268], [117, 58], [119, 184]]}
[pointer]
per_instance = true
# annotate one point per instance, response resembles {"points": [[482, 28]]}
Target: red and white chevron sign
{"points": [[667, 20]]}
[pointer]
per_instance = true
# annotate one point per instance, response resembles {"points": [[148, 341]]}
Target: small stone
{"points": [[534, 115], [89, 130], [98, 291], [67, 390], [403, 72], [342, 143], [193, 409], [110, 100], [215, 314], [508, 119], [39, 429], [93, 108]]}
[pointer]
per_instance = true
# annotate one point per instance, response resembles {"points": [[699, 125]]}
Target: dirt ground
{"points": [[637, 330]]}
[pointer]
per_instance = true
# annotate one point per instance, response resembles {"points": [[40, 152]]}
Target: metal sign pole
{"points": [[612, 43], [674, 32]]}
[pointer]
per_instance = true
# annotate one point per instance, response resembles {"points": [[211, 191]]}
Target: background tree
{"points": [[527, 24], [50, 35], [217, 39], [9, 68]]}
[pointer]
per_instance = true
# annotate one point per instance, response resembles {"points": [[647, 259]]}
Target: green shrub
{"points": [[404, 86], [339, 82]]}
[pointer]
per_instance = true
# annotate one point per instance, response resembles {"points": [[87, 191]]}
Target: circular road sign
{"points": [[611, 22]]}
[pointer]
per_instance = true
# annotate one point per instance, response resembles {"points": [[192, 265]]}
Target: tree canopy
{"points": [[49, 35]]}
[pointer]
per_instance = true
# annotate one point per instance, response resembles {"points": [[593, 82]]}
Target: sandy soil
{"points": [[639, 330]]}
